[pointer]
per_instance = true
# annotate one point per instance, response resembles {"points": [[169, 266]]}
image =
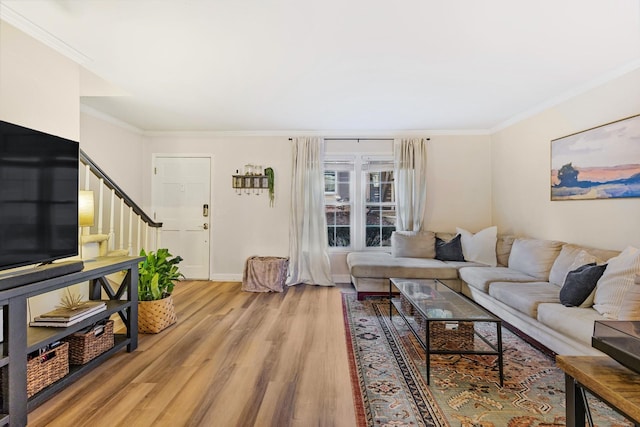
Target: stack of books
{"points": [[63, 317]]}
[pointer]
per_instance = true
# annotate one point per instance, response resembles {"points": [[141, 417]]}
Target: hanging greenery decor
{"points": [[270, 179]]}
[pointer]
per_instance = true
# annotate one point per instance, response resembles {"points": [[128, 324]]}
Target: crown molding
{"points": [[110, 119], [362, 134], [20, 22]]}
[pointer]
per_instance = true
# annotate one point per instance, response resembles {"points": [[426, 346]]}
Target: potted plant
{"points": [[157, 273]]}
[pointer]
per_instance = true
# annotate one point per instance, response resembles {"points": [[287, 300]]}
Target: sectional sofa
{"points": [[552, 291]]}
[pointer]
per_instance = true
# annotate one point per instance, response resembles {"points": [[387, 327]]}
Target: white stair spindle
{"points": [[87, 176], [138, 233], [111, 221], [130, 239], [121, 224], [100, 206]]}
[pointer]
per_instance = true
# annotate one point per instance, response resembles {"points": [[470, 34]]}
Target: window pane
{"points": [[343, 237], [329, 181], [386, 235], [386, 192], [388, 216], [331, 215], [343, 215], [373, 236], [373, 215]]}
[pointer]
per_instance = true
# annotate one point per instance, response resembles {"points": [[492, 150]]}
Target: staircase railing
{"points": [[125, 220]]}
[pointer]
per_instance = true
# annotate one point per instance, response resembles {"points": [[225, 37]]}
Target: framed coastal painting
{"points": [[598, 163]]}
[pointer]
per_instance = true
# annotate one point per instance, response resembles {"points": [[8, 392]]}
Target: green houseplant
{"points": [[156, 276]]}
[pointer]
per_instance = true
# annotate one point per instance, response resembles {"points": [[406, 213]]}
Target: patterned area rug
{"points": [[388, 368]]}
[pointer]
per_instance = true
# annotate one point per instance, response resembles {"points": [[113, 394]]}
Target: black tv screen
{"points": [[38, 197]]}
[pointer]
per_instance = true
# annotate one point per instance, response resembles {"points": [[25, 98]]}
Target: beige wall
{"points": [[243, 225], [39, 89], [521, 172], [118, 152]]}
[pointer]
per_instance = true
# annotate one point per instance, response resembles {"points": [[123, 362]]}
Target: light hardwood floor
{"points": [[233, 359]]}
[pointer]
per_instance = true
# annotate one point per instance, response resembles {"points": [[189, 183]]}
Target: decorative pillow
{"points": [[583, 258], [630, 309], [570, 258], [449, 251], [616, 280], [414, 244], [534, 256], [479, 247], [580, 283]]}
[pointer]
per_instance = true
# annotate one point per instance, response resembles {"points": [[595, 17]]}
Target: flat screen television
{"points": [[38, 197]]}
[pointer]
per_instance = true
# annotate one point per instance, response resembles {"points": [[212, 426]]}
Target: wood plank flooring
{"points": [[233, 359]]}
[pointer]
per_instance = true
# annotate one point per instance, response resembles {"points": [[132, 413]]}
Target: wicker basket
{"points": [[154, 316], [47, 368], [457, 334], [84, 347]]}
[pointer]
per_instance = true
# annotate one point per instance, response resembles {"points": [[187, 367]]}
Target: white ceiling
{"points": [[336, 65]]}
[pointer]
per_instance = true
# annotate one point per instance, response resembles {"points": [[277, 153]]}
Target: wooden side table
{"points": [[609, 381]]}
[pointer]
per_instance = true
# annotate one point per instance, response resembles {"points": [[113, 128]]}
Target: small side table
{"points": [[609, 381], [265, 274]]}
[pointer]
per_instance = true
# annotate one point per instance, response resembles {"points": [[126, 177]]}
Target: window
{"points": [[359, 202]]}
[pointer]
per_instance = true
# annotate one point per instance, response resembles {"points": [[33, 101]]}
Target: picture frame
{"points": [[598, 163]]}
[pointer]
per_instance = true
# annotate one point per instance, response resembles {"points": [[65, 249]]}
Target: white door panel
{"points": [[181, 189]]}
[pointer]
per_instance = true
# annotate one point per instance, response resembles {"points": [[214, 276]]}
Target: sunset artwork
{"points": [[599, 163]]}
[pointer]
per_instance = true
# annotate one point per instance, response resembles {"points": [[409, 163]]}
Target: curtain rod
{"points": [[359, 139]]}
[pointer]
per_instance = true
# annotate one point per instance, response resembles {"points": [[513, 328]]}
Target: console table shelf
{"points": [[21, 339]]}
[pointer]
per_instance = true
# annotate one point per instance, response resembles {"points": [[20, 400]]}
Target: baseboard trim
{"points": [[226, 278]]}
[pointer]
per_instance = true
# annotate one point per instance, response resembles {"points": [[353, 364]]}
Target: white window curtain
{"points": [[308, 241], [410, 170]]}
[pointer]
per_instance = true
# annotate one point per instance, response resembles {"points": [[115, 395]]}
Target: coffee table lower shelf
{"points": [[424, 337]]}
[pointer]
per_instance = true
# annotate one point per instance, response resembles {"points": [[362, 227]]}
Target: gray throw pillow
{"points": [[449, 251], [580, 283]]}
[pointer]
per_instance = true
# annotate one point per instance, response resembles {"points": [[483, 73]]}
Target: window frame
{"points": [[357, 197]]}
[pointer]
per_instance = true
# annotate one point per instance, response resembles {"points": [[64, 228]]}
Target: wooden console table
{"points": [[20, 339], [609, 381]]}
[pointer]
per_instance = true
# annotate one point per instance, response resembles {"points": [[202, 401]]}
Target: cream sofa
{"points": [[524, 287]]}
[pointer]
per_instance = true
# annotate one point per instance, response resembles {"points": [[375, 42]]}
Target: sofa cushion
{"points": [[417, 244], [449, 251], [566, 258], [534, 256], [616, 280], [383, 265], [503, 249], [580, 283], [481, 246], [524, 297], [481, 277], [574, 322], [630, 309]]}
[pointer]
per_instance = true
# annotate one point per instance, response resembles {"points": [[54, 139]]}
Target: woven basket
{"points": [[460, 336], [47, 368], [154, 316], [84, 347]]}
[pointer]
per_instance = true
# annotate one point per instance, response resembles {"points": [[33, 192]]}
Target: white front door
{"points": [[181, 201]]}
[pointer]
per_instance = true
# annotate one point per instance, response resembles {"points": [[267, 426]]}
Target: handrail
{"points": [[121, 194]]}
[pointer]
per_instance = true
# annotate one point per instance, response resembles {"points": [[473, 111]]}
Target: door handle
{"points": [[205, 210], [205, 226]]}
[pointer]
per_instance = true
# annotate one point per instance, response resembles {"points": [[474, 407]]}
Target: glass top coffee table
{"points": [[445, 322]]}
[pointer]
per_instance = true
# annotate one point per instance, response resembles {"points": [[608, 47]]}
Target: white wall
{"points": [[39, 89], [521, 173], [241, 226], [117, 151]]}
